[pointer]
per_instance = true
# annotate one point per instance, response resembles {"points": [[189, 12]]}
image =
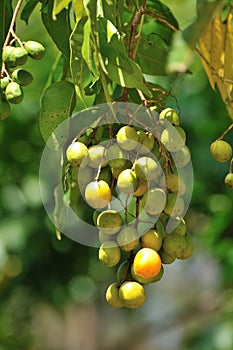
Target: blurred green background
{"points": [[52, 292]]}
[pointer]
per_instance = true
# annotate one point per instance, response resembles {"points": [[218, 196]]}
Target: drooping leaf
{"points": [[28, 9], [57, 104], [58, 6], [118, 66], [58, 29], [5, 19]]}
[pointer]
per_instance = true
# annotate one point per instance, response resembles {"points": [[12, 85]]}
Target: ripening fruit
{"points": [[182, 157], [112, 295], [109, 253], [146, 139], [188, 250], [221, 150], [76, 152], [147, 263], [109, 221], [132, 294], [166, 258], [116, 157], [174, 244], [229, 180], [175, 184], [4, 82], [179, 225], [173, 138], [146, 168], [152, 239], [14, 93], [34, 49], [127, 138], [4, 109], [128, 238], [22, 77], [127, 181], [174, 205], [96, 156], [98, 194], [148, 280], [154, 201], [141, 189], [170, 115]]}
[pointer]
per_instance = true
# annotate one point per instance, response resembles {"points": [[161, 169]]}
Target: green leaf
{"points": [[5, 19], [79, 9], [58, 29], [58, 209], [59, 5], [56, 72], [28, 9], [57, 104], [110, 10], [118, 66]]}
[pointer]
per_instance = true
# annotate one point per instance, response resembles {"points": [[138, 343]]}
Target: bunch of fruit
{"points": [[222, 152], [14, 78], [132, 182]]}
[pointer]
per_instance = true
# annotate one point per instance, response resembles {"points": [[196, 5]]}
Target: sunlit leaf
{"points": [[59, 5], [79, 9]]}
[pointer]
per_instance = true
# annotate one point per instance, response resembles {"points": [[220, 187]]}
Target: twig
{"points": [[225, 132], [160, 19]]}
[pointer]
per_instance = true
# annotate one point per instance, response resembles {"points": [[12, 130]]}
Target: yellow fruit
{"points": [[148, 280], [175, 184], [173, 138], [146, 168], [229, 180], [127, 138], [170, 115], [221, 150], [127, 181], [76, 152], [152, 239], [96, 156], [154, 201], [147, 263], [132, 294], [109, 253], [141, 189], [109, 221], [98, 194], [182, 157], [128, 238], [112, 296]]}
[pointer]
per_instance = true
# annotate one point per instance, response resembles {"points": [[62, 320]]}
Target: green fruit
{"points": [[173, 138], [22, 77], [127, 138], [229, 180], [221, 150], [109, 253], [14, 93], [18, 57], [182, 157], [127, 181], [174, 205], [154, 201], [4, 82], [34, 49], [4, 109], [174, 244], [152, 239], [116, 171], [148, 280], [112, 296], [146, 168], [122, 271], [116, 157], [104, 237], [180, 225], [141, 189], [170, 115], [132, 294], [96, 156], [188, 250], [76, 152], [175, 184], [146, 139], [128, 238], [166, 258], [98, 194], [6, 54], [110, 221]]}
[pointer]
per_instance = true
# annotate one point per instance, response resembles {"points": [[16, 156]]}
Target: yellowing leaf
{"points": [[228, 63], [79, 9], [58, 6]]}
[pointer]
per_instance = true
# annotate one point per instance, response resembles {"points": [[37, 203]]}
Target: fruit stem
{"points": [[225, 132], [231, 166]]}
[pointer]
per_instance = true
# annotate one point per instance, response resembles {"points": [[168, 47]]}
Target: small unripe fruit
{"points": [[229, 180], [221, 150], [132, 294], [6, 54], [182, 157], [116, 157], [174, 244], [22, 77], [98, 194], [76, 152], [34, 49], [188, 250], [146, 168], [109, 221], [166, 258], [154, 201], [127, 181], [171, 115], [174, 205], [109, 253], [127, 138], [4, 82], [146, 139], [14, 93], [128, 238], [141, 189], [18, 57], [152, 239], [96, 156], [173, 138], [112, 296], [175, 184]]}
